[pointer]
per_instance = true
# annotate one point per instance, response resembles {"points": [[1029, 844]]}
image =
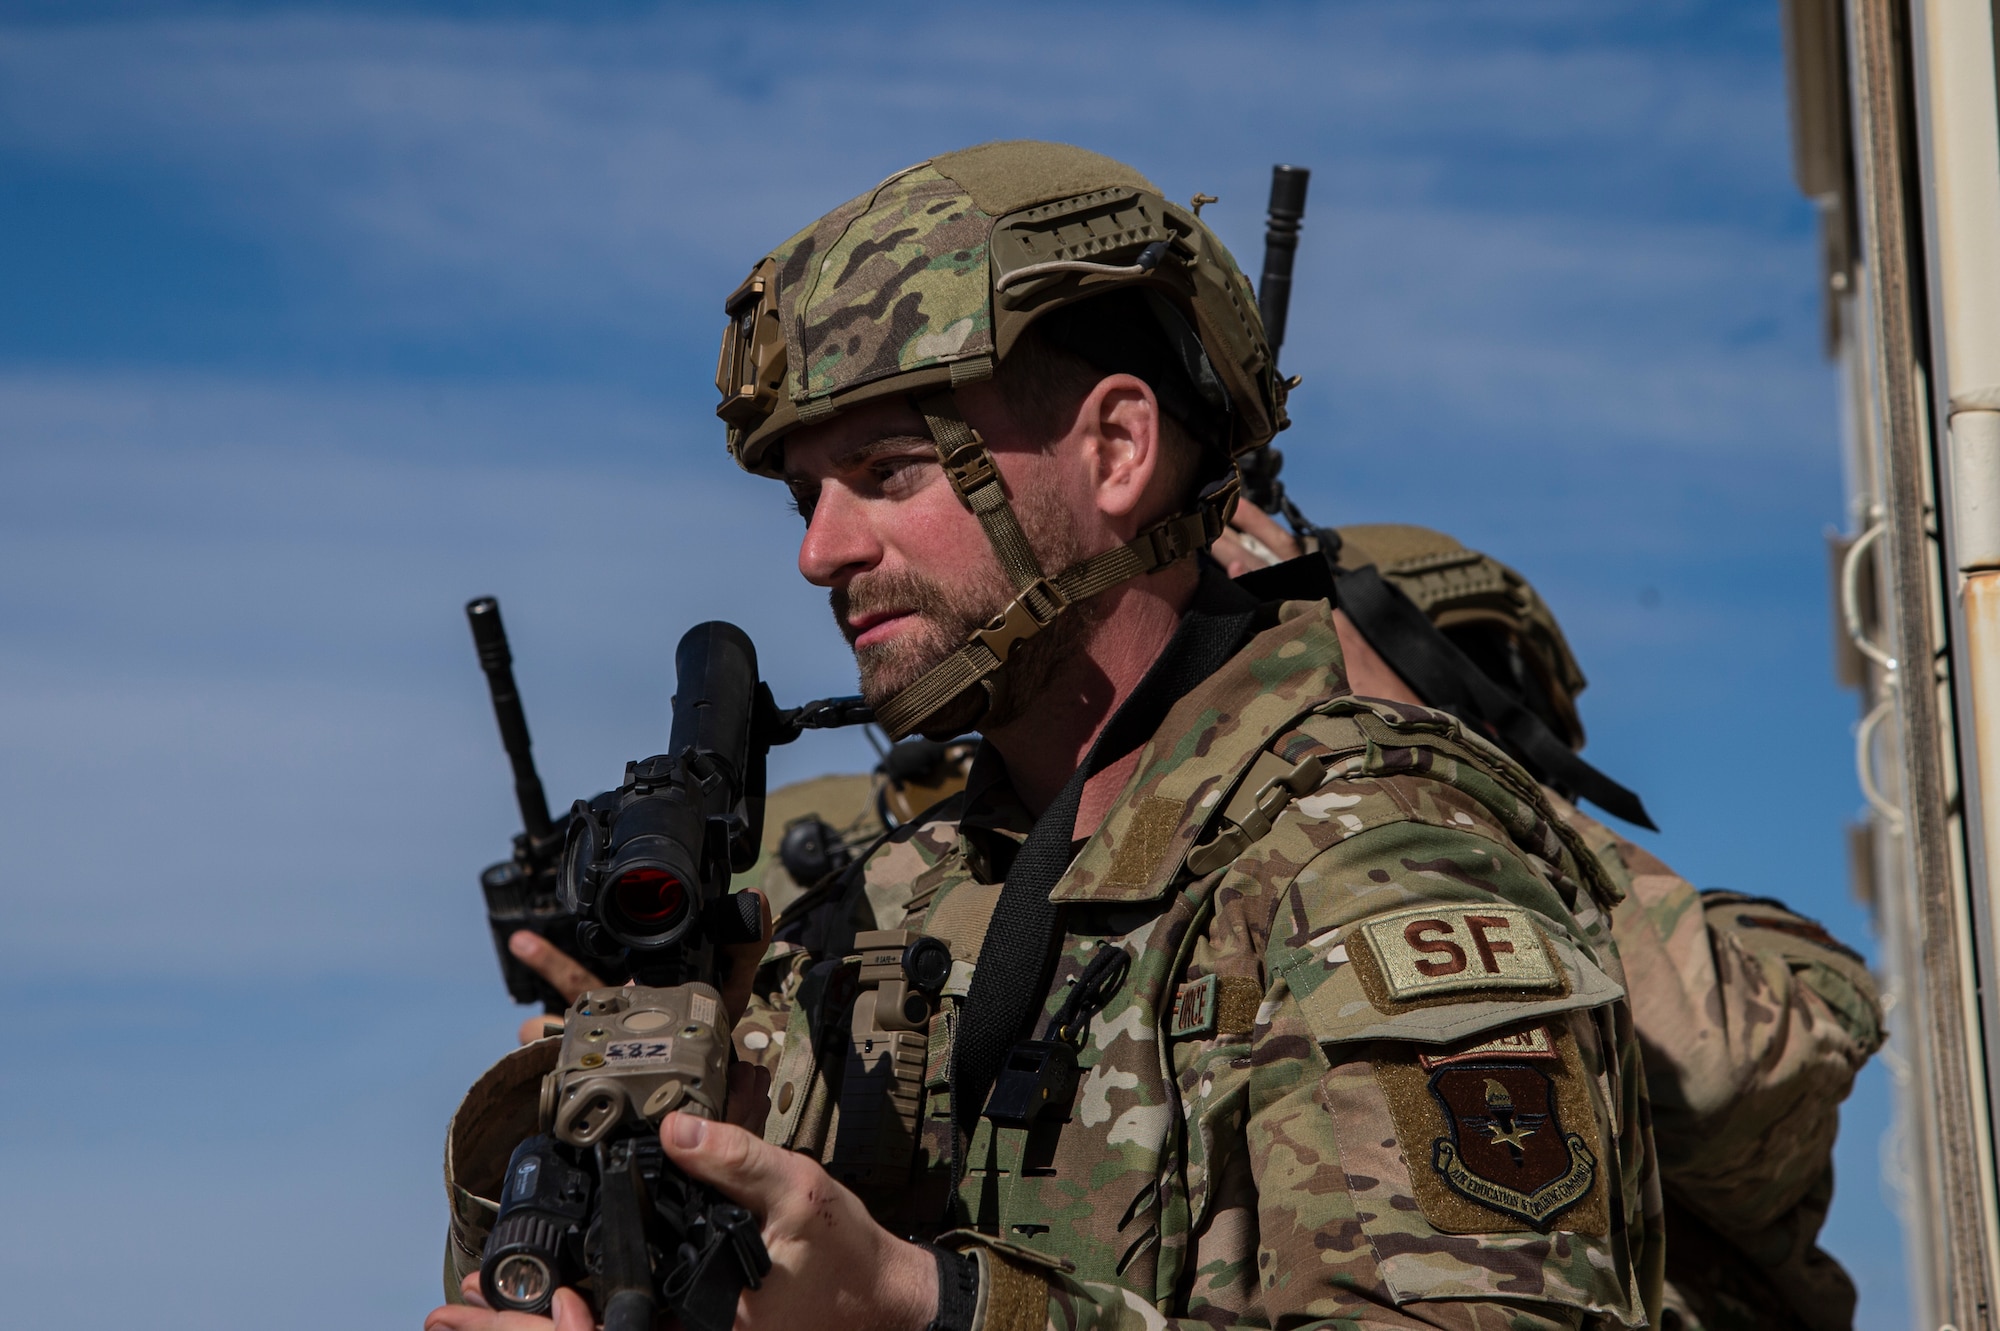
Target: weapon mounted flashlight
{"points": [[543, 1211]]}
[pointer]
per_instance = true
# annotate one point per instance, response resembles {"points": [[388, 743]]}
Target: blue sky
{"points": [[315, 322]]}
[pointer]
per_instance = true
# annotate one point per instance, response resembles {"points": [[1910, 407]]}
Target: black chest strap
{"points": [[1012, 977]]}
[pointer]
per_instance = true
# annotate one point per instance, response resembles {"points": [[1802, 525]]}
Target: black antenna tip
{"points": [[1288, 190]]}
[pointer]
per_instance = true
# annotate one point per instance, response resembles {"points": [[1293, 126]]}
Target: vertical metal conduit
{"points": [[1880, 73]]}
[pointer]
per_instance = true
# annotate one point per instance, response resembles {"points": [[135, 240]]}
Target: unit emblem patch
{"points": [[1497, 1134], [1507, 1148]]}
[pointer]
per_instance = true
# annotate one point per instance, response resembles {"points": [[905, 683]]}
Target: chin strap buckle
{"points": [[1026, 615], [1177, 539], [968, 469]]}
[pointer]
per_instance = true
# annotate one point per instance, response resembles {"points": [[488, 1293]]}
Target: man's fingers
{"points": [[1235, 560], [571, 1313], [749, 1096], [749, 1171], [553, 964], [465, 1317], [540, 1028], [1264, 529], [1252, 541]]}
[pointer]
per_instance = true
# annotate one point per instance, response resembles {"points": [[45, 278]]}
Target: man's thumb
{"points": [[747, 1170], [572, 1313]]}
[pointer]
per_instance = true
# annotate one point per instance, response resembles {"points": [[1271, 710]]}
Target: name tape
{"points": [[1452, 948], [1533, 1043]]}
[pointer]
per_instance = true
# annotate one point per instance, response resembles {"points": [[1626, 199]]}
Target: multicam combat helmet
{"points": [[927, 282], [1492, 613]]}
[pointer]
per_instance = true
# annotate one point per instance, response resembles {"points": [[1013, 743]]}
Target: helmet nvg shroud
{"points": [[928, 281]]}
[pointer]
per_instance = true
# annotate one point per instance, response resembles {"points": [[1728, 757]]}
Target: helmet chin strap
{"points": [[1038, 598]]}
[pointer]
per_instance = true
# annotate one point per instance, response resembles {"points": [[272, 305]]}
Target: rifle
{"points": [[591, 1199], [1287, 210], [521, 892]]}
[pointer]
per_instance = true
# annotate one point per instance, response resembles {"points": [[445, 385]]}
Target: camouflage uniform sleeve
{"points": [[1333, 1158], [1753, 1022]]}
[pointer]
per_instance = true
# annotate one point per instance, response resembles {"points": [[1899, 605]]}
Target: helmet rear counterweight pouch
{"points": [[928, 282]]}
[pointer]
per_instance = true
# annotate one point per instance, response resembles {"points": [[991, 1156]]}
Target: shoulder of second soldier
{"points": [[1656, 904], [915, 848], [1622, 857]]}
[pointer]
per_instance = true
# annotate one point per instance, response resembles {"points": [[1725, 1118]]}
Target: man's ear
{"points": [[1121, 420]]}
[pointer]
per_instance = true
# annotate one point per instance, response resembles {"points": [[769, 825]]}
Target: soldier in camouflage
{"points": [[1221, 996], [1752, 1020]]}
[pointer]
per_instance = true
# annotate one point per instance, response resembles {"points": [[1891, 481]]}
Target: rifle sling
{"points": [[1020, 940]]}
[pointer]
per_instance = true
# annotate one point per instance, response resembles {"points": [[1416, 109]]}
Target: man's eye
{"points": [[901, 474], [802, 503]]}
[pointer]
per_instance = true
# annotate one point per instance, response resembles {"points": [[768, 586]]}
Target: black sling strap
{"points": [[1011, 981]]}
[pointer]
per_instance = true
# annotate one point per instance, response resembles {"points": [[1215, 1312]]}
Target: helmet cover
{"points": [[928, 280], [1457, 586]]}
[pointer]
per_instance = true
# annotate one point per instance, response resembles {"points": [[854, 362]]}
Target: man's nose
{"points": [[839, 540]]}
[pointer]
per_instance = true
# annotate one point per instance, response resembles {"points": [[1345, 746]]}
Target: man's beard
{"points": [[945, 617]]}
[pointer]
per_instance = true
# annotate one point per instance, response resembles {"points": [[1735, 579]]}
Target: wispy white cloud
{"points": [[1500, 203], [252, 632]]}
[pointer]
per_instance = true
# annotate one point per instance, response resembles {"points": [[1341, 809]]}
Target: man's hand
{"points": [[571, 1314], [1253, 541], [563, 972], [832, 1266]]}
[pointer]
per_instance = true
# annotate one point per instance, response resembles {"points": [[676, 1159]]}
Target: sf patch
{"points": [[1500, 1135], [1410, 957]]}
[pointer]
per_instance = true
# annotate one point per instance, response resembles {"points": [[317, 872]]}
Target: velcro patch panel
{"points": [[1215, 1005], [1343, 984]]}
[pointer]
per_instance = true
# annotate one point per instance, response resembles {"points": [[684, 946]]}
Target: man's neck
{"points": [[1044, 747]]}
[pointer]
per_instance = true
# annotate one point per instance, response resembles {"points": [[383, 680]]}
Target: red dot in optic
{"points": [[649, 896]]}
